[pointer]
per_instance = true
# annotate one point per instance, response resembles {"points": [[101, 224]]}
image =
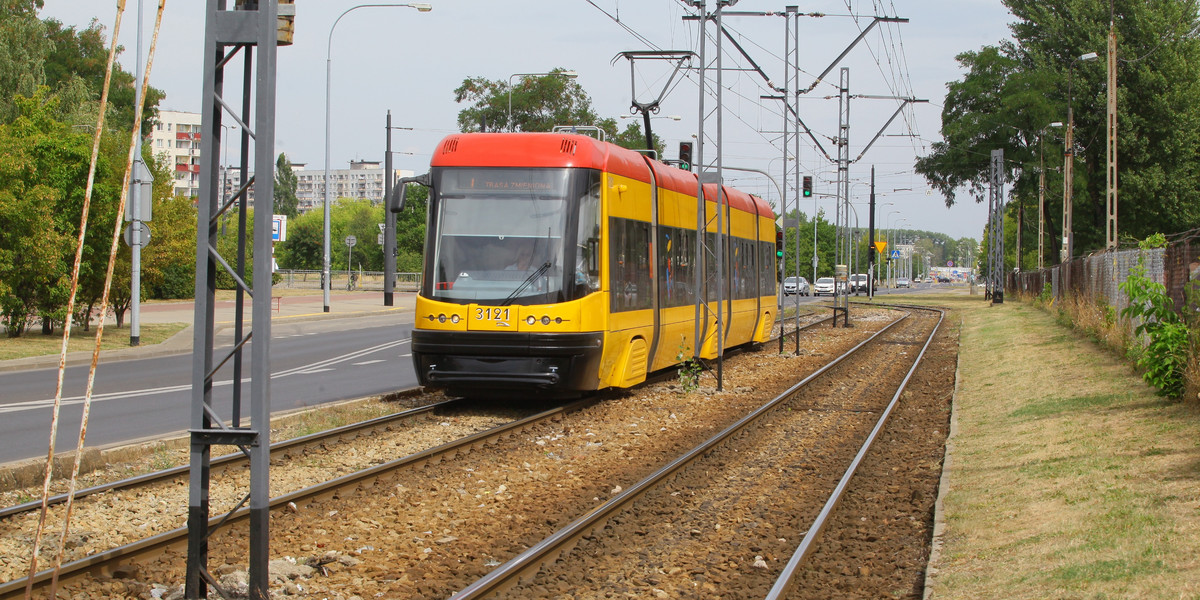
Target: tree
{"points": [[632, 136], [538, 104], [1014, 90], [39, 158], [286, 184], [169, 263]]}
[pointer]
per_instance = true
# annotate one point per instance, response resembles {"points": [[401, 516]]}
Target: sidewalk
{"points": [[311, 307]]}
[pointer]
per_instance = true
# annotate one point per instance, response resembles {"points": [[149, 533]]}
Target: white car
{"points": [[824, 286], [902, 282], [796, 285]]}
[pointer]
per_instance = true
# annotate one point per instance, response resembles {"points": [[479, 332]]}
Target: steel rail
{"points": [[783, 583], [177, 538], [563, 540], [233, 459]]}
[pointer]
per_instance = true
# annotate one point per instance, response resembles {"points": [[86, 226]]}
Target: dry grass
{"points": [[33, 343], [1069, 477]]}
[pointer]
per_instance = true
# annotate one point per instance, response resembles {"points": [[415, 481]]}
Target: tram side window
{"points": [[767, 268], [630, 269], [677, 253]]}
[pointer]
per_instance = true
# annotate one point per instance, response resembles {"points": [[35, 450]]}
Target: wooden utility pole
{"points": [[1111, 188]]}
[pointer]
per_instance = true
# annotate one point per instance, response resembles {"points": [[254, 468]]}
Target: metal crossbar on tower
{"points": [[229, 33]]}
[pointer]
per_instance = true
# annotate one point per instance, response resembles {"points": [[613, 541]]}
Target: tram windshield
{"points": [[501, 236]]}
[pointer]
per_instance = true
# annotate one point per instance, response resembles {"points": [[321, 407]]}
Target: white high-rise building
{"points": [[177, 136]]}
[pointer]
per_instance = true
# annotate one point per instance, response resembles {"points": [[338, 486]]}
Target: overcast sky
{"points": [[410, 62]]}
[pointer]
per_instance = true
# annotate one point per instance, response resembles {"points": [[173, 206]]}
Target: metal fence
{"points": [[341, 280], [1098, 276]]}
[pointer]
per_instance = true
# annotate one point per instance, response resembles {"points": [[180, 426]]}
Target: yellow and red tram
{"points": [[557, 264]]}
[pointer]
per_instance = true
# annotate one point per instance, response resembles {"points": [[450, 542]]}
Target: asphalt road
{"points": [[312, 363]]}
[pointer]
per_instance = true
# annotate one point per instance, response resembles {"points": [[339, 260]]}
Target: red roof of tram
{"points": [[549, 150]]}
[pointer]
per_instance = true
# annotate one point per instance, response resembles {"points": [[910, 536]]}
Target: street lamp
{"points": [[421, 7], [1041, 198], [1069, 161], [567, 74]]}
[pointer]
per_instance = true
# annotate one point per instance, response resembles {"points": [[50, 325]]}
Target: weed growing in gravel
{"points": [[689, 369], [163, 459]]}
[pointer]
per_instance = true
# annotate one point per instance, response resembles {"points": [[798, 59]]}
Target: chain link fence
{"points": [[1098, 276]]}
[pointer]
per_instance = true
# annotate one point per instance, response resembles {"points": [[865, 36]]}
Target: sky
{"points": [[397, 59]]}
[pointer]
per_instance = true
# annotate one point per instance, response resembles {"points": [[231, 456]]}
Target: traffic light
{"points": [[808, 186], [779, 244], [685, 156]]}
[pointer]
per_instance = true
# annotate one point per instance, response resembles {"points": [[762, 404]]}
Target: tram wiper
{"points": [[525, 284]]}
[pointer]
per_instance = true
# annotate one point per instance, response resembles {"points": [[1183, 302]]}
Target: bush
{"points": [[1165, 356]]}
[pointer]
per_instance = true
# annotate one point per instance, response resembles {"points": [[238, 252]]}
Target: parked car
{"points": [[858, 282], [902, 282], [796, 285], [823, 286]]}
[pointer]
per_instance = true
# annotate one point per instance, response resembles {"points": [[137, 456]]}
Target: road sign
{"points": [[143, 235], [895, 254], [949, 263], [880, 246], [351, 241], [278, 228]]}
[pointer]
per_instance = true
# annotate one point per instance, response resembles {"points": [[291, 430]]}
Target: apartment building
{"points": [[177, 137]]}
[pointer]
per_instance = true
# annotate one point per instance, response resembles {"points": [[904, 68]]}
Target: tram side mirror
{"points": [[396, 200]]}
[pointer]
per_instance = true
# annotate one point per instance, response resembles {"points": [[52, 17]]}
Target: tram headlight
{"points": [[454, 319], [531, 319], [545, 320]]}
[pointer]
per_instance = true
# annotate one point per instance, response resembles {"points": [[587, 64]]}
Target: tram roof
{"points": [[550, 150]]}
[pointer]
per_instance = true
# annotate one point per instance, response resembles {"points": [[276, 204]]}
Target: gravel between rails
{"points": [[725, 526], [428, 533]]}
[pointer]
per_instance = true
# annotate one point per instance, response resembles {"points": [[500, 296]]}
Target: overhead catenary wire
{"points": [[74, 288]]}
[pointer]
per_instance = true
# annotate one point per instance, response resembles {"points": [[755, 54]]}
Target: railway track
{"points": [[593, 550], [159, 545], [176, 539], [223, 464]]}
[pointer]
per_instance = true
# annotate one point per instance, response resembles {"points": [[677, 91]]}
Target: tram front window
{"points": [[499, 235]]}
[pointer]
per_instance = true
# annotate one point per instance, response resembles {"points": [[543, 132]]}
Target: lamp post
{"points": [[1041, 198], [421, 7], [567, 74], [1069, 162], [887, 243]]}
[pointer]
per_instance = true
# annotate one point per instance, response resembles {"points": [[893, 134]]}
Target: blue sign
{"points": [[895, 254]]}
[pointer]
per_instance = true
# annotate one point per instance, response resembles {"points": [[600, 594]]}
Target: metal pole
{"points": [[389, 219], [135, 206], [701, 299]]}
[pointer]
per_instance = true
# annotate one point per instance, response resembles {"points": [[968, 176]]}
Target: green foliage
{"points": [[538, 103], [40, 192], [1047, 294], [1011, 92], [1157, 240], [1165, 356], [169, 262], [286, 184], [689, 369]]}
